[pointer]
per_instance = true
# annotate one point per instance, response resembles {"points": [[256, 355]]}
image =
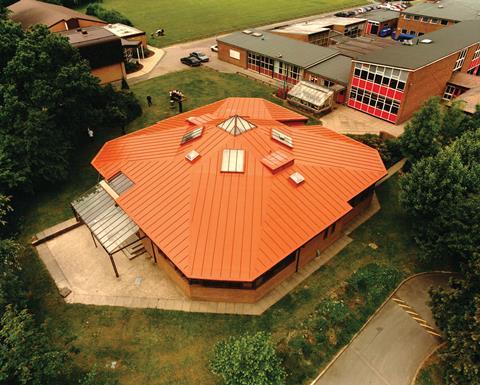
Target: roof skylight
{"points": [[233, 160], [193, 134], [192, 155], [297, 178], [236, 125], [282, 138]]}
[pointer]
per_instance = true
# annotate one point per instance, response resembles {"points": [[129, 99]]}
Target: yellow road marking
{"points": [[420, 320], [433, 333], [412, 313]]}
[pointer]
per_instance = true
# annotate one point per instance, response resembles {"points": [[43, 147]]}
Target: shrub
{"points": [[109, 15], [373, 282], [248, 360], [390, 149]]}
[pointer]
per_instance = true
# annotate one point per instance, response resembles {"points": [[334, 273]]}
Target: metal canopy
{"points": [[110, 225]]}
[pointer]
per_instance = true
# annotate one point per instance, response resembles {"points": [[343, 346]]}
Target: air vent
{"points": [[257, 34], [426, 41], [193, 134], [297, 178], [282, 138], [192, 155], [247, 31]]}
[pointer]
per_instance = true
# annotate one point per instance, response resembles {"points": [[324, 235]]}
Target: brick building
{"points": [[394, 82], [430, 16], [380, 19], [231, 198]]}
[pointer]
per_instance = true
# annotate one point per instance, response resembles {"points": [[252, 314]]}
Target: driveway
{"points": [[389, 350]]}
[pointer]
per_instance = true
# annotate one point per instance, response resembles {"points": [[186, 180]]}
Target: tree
{"points": [[457, 313], [442, 194], [26, 353], [454, 123], [11, 287], [421, 136], [248, 360]]}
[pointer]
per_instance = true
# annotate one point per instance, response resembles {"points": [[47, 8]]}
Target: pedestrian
{"points": [[149, 100], [90, 133]]}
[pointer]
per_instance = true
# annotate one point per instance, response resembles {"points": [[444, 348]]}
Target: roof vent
{"points": [[257, 34], [192, 155], [297, 178], [247, 31], [426, 41], [441, 6], [279, 55]]}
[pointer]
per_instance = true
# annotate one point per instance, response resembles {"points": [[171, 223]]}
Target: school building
{"points": [[393, 83], [231, 198]]}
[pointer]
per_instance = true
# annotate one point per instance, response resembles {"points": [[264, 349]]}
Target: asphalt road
{"points": [[394, 343]]}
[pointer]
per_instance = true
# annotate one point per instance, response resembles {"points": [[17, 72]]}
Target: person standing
{"points": [[149, 100], [90, 133]]}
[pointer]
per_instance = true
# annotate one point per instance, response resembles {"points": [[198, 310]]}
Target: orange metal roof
{"points": [[235, 226]]}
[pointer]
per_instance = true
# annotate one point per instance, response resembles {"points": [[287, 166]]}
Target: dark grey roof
{"points": [[458, 10], [88, 36], [288, 50], [337, 69], [381, 15], [31, 12], [445, 42]]}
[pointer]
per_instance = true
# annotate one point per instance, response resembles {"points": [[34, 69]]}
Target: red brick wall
{"points": [[296, 36], [419, 26], [224, 54]]}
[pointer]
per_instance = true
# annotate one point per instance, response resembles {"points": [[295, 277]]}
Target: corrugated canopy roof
{"points": [[288, 50], [235, 226], [31, 12], [445, 42]]}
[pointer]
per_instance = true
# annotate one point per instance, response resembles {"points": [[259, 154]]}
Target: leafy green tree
{"points": [[457, 313], [248, 360], [422, 134], [454, 123], [109, 15], [10, 35], [26, 353], [11, 287]]}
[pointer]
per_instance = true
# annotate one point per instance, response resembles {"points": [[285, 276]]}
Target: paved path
{"points": [[394, 343]]}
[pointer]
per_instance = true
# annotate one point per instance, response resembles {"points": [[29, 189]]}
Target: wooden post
{"points": [[153, 250], [113, 264], [93, 237]]}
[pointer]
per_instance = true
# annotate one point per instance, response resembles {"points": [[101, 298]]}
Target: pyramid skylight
{"points": [[236, 125]]}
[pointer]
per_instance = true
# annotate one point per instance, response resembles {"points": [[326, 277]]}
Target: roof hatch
{"points": [[277, 161], [282, 138], [236, 125], [192, 134], [233, 160]]}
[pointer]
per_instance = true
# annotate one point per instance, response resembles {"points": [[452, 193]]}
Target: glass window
{"points": [[444, 22], [416, 18], [425, 19], [371, 76], [434, 21], [404, 30], [401, 86], [393, 84], [460, 59], [407, 16], [364, 75]]}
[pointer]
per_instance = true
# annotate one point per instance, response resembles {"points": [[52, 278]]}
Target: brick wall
{"points": [[111, 73], [419, 26], [224, 54]]}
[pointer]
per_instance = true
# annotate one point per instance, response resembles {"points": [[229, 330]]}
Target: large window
{"points": [[444, 22], [375, 100], [386, 76], [449, 92], [476, 55], [460, 60]]}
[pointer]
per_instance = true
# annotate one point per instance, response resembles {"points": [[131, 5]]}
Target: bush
{"points": [[248, 360], [108, 15], [373, 283]]}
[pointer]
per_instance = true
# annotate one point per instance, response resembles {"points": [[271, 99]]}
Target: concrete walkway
{"points": [[83, 274], [148, 64], [394, 342]]}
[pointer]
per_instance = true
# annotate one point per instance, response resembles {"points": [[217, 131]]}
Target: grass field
{"points": [[185, 20]]}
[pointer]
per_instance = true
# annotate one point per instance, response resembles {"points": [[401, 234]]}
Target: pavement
{"points": [[394, 343]]}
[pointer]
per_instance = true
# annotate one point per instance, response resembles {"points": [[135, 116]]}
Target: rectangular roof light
{"points": [[233, 161], [282, 138], [192, 155], [297, 178], [193, 134]]}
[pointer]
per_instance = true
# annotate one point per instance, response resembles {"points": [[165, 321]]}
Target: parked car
{"points": [[191, 61], [342, 14], [385, 31], [214, 48], [200, 56]]}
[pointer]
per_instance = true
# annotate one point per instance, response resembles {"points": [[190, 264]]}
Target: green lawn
{"points": [[154, 347], [185, 20]]}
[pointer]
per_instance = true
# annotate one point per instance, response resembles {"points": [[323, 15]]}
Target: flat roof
{"points": [[122, 30], [359, 46], [464, 80], [235, 226], [317, 25], [458, 10], [445, 42], [381, 15], [31, 12], [470, 99], [301, 29], [88, 36], [288, 50], [337, 69]]}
